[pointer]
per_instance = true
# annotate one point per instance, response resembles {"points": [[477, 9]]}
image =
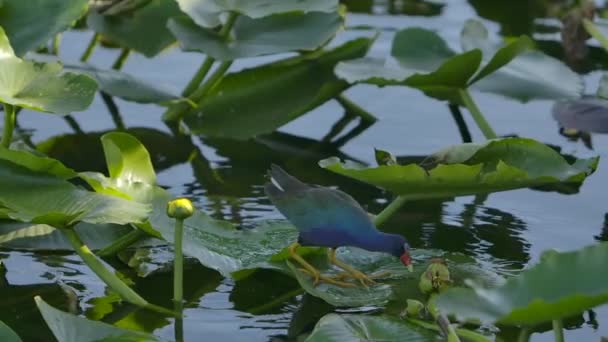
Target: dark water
{"points": [[511, 228]]}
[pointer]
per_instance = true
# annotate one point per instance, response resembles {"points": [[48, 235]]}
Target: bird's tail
{"points": [[281, 183]]}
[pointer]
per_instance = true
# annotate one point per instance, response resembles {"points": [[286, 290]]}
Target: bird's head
{"points": [[401, 249]]}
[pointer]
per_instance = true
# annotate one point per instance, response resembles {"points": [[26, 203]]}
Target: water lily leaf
{"points": [[260, 100], [44, 198], [256, 37], [41, 86], [144, 30], [587, 114], [125, 86], [7, 334], [207, 13], [37, 163], [44, 18], [333, 327], [499, 165], [70, 328], [527, 299], [427, 63]]}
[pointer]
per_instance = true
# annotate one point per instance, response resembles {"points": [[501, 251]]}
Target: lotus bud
{"points": [[180, 208]]}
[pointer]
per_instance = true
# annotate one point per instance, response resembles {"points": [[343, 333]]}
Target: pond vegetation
{"points": [[88, 207]]}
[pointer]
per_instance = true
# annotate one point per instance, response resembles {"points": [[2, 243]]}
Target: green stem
{"points": [[108, 277], [56, 44], [355, 109], [122, 58], [558, 330], [74, 125], [9, 124], [90, 48], [524, 335], [595, 33], [114, 112], [389, 210], [199, 76], [447, 328], [480, 120], [466, 334], [178, 262], [275, 302], [179, 322], [121, 243]]}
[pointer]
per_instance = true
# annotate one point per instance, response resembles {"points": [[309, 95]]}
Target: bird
{"points": [[326, 217]]}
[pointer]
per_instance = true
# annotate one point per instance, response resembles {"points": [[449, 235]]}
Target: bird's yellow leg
{"points": [[312, 271], [352, 272]]}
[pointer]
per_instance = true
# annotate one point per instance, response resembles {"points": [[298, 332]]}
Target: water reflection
{"points": [[393, 7]]}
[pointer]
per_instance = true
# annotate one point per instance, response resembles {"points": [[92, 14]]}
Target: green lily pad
{"points": [[37, 163], [424, 61], [256, 37], [41, 86], [333, 327], [7, 334], [260, 100], [529, 298], [69, 328], [498, 165], [44, 18], [37, 197], [207, 13], [144, 30]]}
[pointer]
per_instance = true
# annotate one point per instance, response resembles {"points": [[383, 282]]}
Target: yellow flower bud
{"points": [[180, 208]]}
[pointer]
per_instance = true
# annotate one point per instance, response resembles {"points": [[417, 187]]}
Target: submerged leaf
{"points": [[529, 298], [69, 328], [260, 100], [41, 86], [30, 24], [256, 37], [333, 327], [144, 31], [7, 334], [207, 13], [499, 165]]}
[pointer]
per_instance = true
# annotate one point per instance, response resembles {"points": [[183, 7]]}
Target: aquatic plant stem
{"points": [[480, 120], [122, 58], [465, 135], [179, 322], [354, 109], [56, 44], [9, 124], [595, 33], [389, 210], [558, 330], [524, 335], [90, 48], [108, 277], [178, 262], [121, 243], [466, 334]]}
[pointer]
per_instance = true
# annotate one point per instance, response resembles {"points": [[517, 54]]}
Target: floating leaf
{"points": [[41, 86], [144, 30], [427, 63], [69, 328], [587, 114], [7, 334], [207, 13], [499, 165], [44, 18], [257, 37], [259, 100], [528, 298], [333, 327]]}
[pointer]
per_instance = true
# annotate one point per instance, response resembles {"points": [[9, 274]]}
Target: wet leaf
{"points": [[70, 328], [44, 18], [41, 86], [207, 13], [333, 327], [144, 31], [587, 114], [527, 299], [466, 169], [256, 37], [7, 334], [260, 100]]}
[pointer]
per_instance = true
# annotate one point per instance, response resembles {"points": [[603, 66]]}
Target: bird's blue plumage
{"points": [[327, 217]]}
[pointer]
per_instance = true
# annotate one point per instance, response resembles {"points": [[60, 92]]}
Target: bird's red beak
{"points": [[407, 261]]}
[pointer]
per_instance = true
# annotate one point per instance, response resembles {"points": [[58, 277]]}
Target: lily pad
{"points": [[333, 327], [588, 114], [207, 13], [260, 100], [256, 37], [527, 299], [44, 18], [498, 165], [423, 60], [7, 334], [144, 30], [69, 328], [41, 86]]}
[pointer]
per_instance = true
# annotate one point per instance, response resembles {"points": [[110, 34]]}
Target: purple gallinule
{"points": [[330, 218]]}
